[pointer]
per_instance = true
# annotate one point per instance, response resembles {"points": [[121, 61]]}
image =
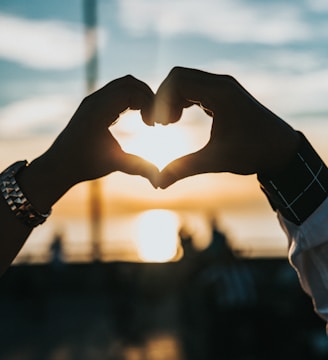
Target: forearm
{"points": [[299, 195], [85, 150], [299, 188], [40, 183], [13, 234]]}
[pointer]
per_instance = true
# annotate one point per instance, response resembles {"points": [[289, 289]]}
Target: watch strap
{"points": [[15, 198]]}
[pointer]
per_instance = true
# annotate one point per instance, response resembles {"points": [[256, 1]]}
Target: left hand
{"points": [[86, 149]]}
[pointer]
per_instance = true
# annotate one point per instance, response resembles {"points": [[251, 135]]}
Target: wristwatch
{"points": [[15, 198]]}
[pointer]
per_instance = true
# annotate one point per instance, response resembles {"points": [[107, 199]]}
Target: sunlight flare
{"points": [[158, 144], [157, 236]]}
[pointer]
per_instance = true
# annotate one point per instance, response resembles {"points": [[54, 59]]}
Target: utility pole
{"points": [[91, 72]]}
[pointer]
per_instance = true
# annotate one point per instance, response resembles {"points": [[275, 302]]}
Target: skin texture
{"points": [[246, 137]]}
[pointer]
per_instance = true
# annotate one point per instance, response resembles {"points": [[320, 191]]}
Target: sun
{"points": [[157, 236], [159, 144]]}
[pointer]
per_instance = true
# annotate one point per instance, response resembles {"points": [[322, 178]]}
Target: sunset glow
{"points": [[157, 236], [157, 144], [43, 55]]}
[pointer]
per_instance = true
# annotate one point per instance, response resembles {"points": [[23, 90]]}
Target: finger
{"points": [[135, 165], [146, 113], [122, 94], [169, 103], [188, 165], [182, 88]]}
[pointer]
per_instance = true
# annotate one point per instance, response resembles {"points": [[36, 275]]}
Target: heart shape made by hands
{"points": [[161, 144]]}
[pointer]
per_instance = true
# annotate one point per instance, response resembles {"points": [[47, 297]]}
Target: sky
{"points": [[276, 49]]}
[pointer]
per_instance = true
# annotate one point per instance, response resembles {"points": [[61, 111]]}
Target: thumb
{"points": [[135, 165], [188, 165]]}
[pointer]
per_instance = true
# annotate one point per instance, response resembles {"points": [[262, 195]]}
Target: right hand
{"points": [[246, 137]]}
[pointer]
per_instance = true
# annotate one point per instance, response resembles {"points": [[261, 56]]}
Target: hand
{"points": [[86, 149], [89, 149], [246, 137]]}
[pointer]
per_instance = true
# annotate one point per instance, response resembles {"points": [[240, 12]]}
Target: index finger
{"points": [[184, 87], [120, 95]]}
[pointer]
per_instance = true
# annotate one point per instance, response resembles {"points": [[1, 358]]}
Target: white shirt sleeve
{"points": [[308, 254], [299, 195]]}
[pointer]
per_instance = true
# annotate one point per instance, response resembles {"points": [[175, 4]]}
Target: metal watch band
{"points": [[15, 198]]}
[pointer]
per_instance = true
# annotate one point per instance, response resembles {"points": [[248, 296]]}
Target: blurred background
{"points": [[124, 271]]}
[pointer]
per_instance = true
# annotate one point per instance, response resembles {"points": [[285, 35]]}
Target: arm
{"points": [[247, 138], [299, 196], [85, 150]]}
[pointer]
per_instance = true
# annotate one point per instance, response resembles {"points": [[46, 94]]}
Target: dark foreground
{"points": [[209, 305]]}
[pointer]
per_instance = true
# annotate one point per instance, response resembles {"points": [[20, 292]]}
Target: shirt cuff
{"points": [[298, 190]]}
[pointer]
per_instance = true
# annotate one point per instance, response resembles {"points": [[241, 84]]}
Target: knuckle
{"points": [[177, 72], [128, 79], [88, 99], [230, 81], [228, 78], [227, 82]]}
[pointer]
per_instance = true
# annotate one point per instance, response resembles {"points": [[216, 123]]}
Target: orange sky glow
{"points": [[233, 203]]}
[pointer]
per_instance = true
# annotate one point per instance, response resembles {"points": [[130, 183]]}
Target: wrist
{"points": [[43, 183], [300, 186], [280, 153], [17, 201]]}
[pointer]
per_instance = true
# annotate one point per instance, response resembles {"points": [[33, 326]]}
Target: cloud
{"points": [[291, 95], [46, 44], [292, 61], [291, 84], [318, 5], [41, 115], [231, 21]]}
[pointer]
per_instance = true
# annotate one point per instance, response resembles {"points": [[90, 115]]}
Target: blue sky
{"points": [[277, 49]]}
